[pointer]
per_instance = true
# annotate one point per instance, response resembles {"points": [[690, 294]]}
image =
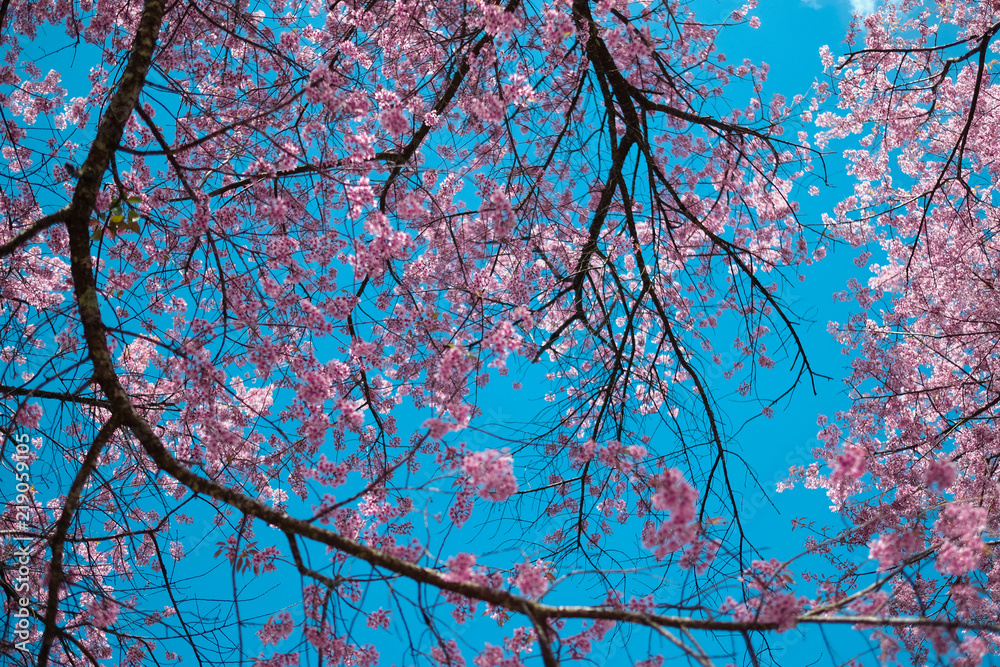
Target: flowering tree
{"points": [[913, 464], [298, 246]]}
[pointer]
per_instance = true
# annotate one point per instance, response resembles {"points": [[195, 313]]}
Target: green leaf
{"points": [[134, 199]]}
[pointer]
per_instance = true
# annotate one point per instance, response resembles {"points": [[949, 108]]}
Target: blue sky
{"points": [[789, 38]]}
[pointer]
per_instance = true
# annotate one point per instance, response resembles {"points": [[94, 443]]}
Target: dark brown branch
{"points": [[56, 575], [66, 397], [160, 139], [439, 108], [332, 584], [32, 230]]}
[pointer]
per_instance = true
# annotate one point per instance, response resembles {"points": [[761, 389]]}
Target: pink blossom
{"points": [[280, 660], [850, 465], [276, 630], [437, 428], [350, 415], [447, 654], [104, 613], [490, 656], [29, 415], [532, 578], [939, 473], [493, 472], [460, 568], [783, 609], [378, 619], [652, 661], [884, 550], [675, 495], [961, 524], [974, 650], [394, 122], [315, 388]]}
